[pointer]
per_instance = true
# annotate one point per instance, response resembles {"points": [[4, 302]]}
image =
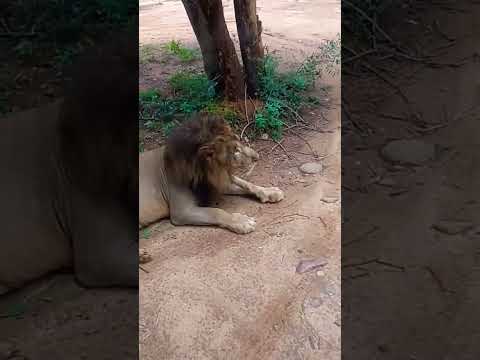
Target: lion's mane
{"points": [[197, 155], [98, 128]]}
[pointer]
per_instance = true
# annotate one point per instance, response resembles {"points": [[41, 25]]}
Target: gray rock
{"points": [[311, 168], [310, 265], [412, 152], [452, 227], [329, 199], [312, 302]]}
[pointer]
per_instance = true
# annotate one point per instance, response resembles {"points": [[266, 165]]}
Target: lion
{"points": [[182, 179], [69, 182]]}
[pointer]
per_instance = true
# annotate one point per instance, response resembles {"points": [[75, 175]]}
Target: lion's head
{"points": [[203, 153]]}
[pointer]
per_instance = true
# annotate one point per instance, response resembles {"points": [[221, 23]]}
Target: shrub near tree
{"points": [[272, 98], [218, 51]]}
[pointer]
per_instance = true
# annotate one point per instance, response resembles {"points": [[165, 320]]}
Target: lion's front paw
{"points": [[241, 224], [271, 194], [144, 256]]}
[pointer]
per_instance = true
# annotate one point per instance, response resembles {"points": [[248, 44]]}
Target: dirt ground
{"points": [[211, 294], [418, 302]]}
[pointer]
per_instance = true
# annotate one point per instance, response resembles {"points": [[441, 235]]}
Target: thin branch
{"points": [[362, 236], [246, 112], [245, 128], [369, 19], [314, 153], [388, 81]]}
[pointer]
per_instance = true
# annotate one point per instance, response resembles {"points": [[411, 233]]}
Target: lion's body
{"points": [[197, 164], [46, 222], [153, 187], [31, 198]]}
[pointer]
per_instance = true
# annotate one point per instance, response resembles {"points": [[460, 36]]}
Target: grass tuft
{"points": [[147, 53], [183, 53]]}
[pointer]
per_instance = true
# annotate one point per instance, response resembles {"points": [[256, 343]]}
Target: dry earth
{"points": [[421, 222], [211, 294]]}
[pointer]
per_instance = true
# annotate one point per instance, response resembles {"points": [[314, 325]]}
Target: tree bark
{"points": [[249, 30], [218, 51]]}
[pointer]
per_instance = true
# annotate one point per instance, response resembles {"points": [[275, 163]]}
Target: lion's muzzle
{"points": [[250, 153]]}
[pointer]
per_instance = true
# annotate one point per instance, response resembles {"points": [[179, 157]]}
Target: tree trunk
{"points": [[218, 51], [249, 33]]}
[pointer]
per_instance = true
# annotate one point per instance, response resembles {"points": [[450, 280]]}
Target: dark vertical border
{"points": [[84, 55], [410, 235]]}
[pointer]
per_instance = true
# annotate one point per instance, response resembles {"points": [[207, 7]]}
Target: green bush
{"points": [[283, 93], [193, 92], [190, 93]]}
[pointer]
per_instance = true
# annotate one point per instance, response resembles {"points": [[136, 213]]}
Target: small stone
{"points": [[7, 349], [320, 273], [329, 199], [314, 302], [387, 182], [412, 152], [310, 265], [264, 136], [338, 321], [311, 168], [452, 227]]}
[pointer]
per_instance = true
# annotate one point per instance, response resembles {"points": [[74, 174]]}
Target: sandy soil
{"points": [[211, 294], [419, 304]]}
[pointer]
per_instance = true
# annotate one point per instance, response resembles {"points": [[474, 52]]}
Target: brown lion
{"points": [[181, 179], [69, 178]]}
